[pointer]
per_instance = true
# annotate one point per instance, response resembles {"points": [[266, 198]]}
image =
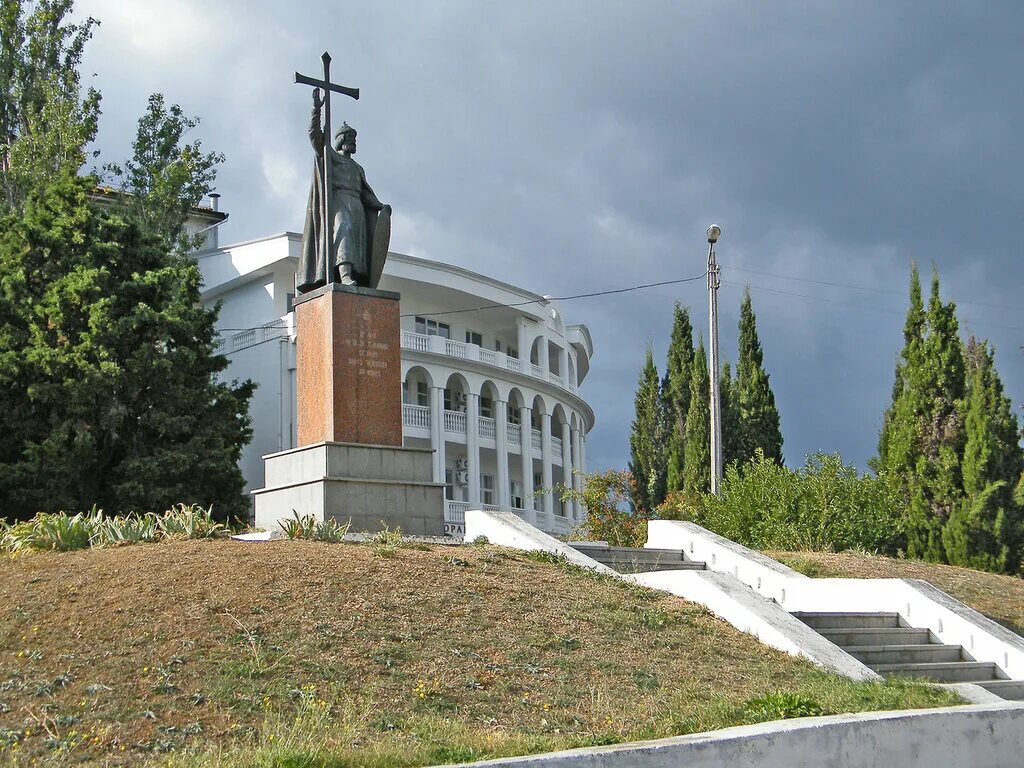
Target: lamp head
{"points": [[714, 232]]}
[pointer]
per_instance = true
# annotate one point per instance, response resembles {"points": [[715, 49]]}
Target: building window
{"points": [[487, 489], [449, 485], [486, 407], [513, 414], [512, 352], [429, 327], [497, 345], [472, 337], [516, 492], [422, 393]]}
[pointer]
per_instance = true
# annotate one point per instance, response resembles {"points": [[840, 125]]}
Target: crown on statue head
{"points": [[345, 130]]}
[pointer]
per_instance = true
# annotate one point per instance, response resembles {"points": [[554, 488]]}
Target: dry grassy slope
{"points": [[1001, 598], [118, 652]]}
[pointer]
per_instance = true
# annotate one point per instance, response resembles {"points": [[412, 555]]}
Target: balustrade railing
{"points": [[416, 416], [556, 447], [416, 341], [455, 421], [514, 433], [420, 342], [454, 348], [455, 512], [535, 439], [487, 428]]}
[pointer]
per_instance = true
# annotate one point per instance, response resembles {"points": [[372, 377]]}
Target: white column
{"points": [[542, 357], [583, 464], [473, 447], [567, 478], [522, 340], [563, 365], [545, 462], [437, 431], [504, 495], [526, 457], [577, 478]]}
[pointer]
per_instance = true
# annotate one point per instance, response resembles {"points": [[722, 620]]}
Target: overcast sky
{"points": [[574, 146]]}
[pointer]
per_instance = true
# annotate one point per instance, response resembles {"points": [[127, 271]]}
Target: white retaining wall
{"points": [[978, 736], [921, 604]]}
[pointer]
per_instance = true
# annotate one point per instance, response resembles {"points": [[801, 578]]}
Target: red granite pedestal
{"points": [[348, 366], [350, 465]]}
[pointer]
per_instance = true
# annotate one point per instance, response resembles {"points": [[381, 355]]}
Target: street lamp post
{"points": [[714, 232]]}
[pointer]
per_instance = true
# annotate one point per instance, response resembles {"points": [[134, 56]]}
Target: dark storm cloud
{"points": [[577, 146]]}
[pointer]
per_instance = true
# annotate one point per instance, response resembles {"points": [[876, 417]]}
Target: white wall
{"points": [[976, 736]]}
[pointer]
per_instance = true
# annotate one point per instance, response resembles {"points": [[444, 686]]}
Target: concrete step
{"points": [[876, 636], [821, 620], [636, 559], [872, 655], [1012, 690], [632, 567], [943, 672]]}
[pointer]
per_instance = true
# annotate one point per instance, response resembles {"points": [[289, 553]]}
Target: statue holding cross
{"points": [[347, 230]]}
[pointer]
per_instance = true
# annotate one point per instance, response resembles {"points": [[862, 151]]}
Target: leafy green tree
{"points": [[697, 460], [165, 177], [983, 530], [46, 122], [647, 439], [759, 417], [108, 367], [676, 394]]}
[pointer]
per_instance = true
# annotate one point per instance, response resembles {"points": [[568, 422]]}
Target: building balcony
{"points": [[416, 423], [458, 350]]}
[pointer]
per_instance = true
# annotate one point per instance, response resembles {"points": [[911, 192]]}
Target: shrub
{"points": [[607, 498], [127, 529], [823, 506]]}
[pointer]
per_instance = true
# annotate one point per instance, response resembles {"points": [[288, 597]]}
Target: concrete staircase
{"points": [[636, 559], [885, 643]]}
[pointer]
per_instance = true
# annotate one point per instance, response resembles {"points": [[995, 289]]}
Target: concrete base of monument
{"points": [[369, 485]]}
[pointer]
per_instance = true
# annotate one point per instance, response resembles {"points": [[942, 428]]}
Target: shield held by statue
{"points": [[379, 246]]}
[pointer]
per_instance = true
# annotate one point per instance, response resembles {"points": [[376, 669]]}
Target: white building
{"points": [[491, 375]]}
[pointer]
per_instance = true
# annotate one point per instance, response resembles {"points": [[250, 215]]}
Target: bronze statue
{"points": [[347, 230]]}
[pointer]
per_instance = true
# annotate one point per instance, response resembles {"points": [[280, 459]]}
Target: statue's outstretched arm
{"points": [[316, 133]]}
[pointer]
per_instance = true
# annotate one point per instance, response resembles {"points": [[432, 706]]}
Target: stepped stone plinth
{"points": [[350, 463]]}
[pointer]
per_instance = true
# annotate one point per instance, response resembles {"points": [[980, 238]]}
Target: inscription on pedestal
{"points": [[348, 367]]}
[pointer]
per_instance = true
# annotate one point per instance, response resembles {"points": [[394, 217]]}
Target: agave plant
{"points": [[129, 529], [60, 532], [331, 530], [189, 521], [299, 526]]}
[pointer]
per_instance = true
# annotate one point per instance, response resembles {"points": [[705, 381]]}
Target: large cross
{"points": [[327, 86]]}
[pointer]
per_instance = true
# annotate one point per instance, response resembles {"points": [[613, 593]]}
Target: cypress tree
{"points": [[697, 450], [759, 417], [647, 440], [730, 417], [676, 395], [982, 531], [898, 444], [937, 486]]}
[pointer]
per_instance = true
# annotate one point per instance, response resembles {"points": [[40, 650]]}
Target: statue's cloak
{"points": [[311, 272]]}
